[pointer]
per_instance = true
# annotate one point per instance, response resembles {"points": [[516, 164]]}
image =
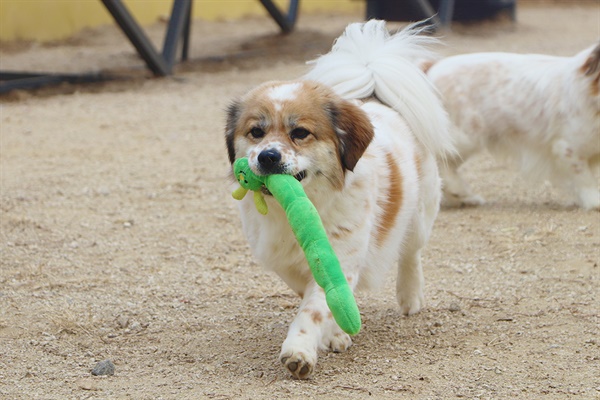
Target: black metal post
{"points": [[446, 11], [177, 22], [186, 34], [285, 22]]}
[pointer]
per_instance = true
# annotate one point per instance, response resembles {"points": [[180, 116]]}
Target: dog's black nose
{"points": [[269, 159]]}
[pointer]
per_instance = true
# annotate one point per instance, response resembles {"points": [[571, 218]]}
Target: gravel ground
{"points": [[119, 241]]}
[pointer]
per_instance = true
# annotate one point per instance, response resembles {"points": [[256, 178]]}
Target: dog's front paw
{"points": [[589, 199], [300, 364], [338, 342], [411, 303]]}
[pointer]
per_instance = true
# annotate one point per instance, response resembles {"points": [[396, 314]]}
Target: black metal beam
{"points": [[10, 80], [285, 22], [132, 30]]}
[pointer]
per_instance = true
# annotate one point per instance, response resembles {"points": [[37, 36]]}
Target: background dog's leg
{"points": [[456, 190], [577, 175]]}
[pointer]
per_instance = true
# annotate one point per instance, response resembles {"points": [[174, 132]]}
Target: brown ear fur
{"points": [[591, 68], [426, 65], [592, 64], [233, 115], [354, 131]]}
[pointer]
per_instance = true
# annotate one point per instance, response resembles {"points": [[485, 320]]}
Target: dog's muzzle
{"points": [[269, 162]]}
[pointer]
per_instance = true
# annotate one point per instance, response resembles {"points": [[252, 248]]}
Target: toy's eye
{"points": [[257, 133], [299, 134]]}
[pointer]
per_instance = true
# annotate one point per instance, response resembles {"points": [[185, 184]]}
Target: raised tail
{"points": [[367, 61]]}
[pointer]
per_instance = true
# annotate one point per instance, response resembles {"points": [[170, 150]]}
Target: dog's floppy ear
{"points": [[233, 115], [353, 129]]}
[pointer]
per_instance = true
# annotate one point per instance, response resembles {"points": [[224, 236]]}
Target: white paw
{"points": [[300, 364], [338, 342], [589, 199], [411, 302]]}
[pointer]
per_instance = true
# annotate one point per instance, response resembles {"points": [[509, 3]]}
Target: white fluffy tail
{"points": [[366, 60]]}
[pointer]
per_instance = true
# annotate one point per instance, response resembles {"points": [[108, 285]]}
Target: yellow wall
{"points": [[57, 19]]}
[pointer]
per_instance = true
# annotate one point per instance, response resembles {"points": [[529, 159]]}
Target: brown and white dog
{"points": [[541, 111], [362, 132]]}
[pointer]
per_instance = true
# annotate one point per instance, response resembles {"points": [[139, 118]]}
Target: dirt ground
{"points": [[119, 240]]}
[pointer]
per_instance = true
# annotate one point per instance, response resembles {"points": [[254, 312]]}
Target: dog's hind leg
{"points": [[457, 191], [576, 174], [410, 282]]}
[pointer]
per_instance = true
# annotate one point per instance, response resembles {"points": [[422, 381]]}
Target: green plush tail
{"points": [[324, 264]]}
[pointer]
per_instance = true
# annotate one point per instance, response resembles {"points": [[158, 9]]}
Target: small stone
{"points": [[135, 326], [454, 307], [122, 321], [104, 367]]}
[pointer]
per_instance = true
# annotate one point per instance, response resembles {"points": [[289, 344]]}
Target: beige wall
{"points": [[58, 19]]}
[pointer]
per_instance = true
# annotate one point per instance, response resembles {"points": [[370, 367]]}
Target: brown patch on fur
{"points": [[302, 332], [595, 87], [316, 317], [426, 65], [393, 202], [358, 184], [329, 315]]}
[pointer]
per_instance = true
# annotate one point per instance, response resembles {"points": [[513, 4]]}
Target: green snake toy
{"points": [[310, 233]]}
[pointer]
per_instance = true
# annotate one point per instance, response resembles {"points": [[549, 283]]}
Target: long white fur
{"points": [[539, 111], [367, 61]]}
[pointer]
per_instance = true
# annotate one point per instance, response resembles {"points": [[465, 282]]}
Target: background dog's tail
{"points": [[367, 61]]}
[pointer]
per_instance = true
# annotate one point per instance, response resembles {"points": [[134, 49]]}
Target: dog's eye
{"points": [[257, 133], [299, 133]]}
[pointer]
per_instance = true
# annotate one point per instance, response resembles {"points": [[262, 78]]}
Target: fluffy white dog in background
{"points": [[543, 112], [362, 132]]}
